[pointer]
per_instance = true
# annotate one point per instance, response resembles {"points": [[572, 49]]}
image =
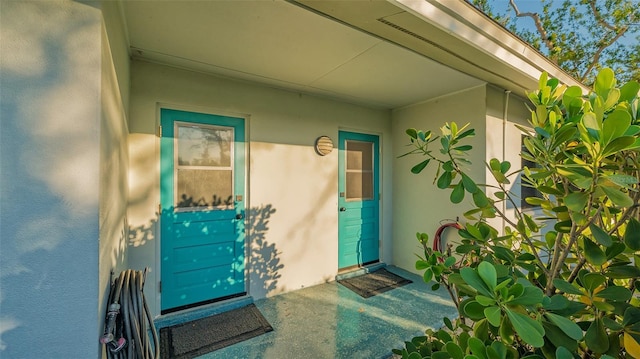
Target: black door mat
{"points": [[370, 284], [198, 337]]}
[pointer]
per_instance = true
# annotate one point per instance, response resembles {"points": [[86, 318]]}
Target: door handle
{"points": [[239, 216], [342, 209]]}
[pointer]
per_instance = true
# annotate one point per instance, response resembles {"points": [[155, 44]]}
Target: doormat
{"points": [[373, 283], [198, 337]]}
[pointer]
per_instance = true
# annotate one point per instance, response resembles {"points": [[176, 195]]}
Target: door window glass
{"points": [[203, 166], [359, 170]]}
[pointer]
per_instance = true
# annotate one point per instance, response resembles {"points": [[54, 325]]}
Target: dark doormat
{"points": [[198, 337], [370, 284]]}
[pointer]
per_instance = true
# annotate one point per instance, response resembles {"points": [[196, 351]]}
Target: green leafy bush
{"points": [[559, 282]]}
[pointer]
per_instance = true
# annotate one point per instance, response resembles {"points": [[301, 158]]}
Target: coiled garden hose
{"points": [[438, 240], [126, 334]]}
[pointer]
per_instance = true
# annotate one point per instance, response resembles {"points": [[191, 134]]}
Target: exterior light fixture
{"points": [[324, 145]]}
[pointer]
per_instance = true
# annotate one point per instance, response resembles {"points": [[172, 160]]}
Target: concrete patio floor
{"points": [[331, 321]]}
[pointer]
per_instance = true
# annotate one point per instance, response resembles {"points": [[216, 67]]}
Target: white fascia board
{"points": [[463, 21]]}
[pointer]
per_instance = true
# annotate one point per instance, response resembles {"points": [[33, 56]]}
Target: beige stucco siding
{"points": [[292, 192], [419, 206]]}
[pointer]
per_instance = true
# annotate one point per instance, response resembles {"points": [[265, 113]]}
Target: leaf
{"points": [[505, 166], [600, 235], [445, 180], [622, 180], [596, 337], [563, 226], [632, 234], [591, 281], [615, 294], [623, 272], [563, 353], [494, 164], [468, 183], [487, 272], [570, 94], [450, 261], [428, 275], [412, 132], [473, 310], [485, 301], [469, 132], [556, 302], [474, 231], [420, 166], [615, 125], [631, 346], [558, 338], [605, 80], [454, 350], [530, 296], [531, 224], [480, 199], [528, 329], [566, 287], [590, 121], [615, 249], [463, 148], [618, 198], [474, 280], [618, 144], [593, 253], [611, 324], [569, 327], [477, 348], [457, 195], [576, 201], [631, 316]]}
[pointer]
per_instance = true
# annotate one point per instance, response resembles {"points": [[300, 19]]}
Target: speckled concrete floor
{"points": [[331, 321]]}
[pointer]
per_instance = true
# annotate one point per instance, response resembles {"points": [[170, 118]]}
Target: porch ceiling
{"points": [[286, 46]]}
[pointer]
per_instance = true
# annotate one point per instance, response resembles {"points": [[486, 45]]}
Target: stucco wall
{"points": [[504, 111], [419, 206], [50, 117], [291, 189], [114, 157]]}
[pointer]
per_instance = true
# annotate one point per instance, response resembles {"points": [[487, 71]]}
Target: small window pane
{"points": [[204, 188], [204, 146], [359, 155], [359, 185]]}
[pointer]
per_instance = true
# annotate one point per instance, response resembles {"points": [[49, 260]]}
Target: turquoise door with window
{"points": [[202, 224], [358, 199]]}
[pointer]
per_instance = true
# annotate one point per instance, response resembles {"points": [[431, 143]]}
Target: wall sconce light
{"points": [[324, 145]]}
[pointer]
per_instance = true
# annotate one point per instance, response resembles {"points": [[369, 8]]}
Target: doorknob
{"points": [[239, 216], [342, 209]]}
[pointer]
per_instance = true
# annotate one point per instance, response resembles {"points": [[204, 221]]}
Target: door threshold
{"points": [[351, 272], [203, 311]]}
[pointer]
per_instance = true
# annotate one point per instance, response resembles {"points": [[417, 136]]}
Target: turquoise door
{"points": [[358, 199], [202, 201]]}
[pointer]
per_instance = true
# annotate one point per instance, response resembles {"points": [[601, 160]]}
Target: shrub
{"points": [[560, 283]]}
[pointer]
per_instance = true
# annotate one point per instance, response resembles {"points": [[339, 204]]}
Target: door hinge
{"points": [[159, 208], [160, 287], [160, 131]]}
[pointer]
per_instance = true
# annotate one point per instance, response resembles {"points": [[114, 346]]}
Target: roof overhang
{"points": [[453, 33], [383, 54]]}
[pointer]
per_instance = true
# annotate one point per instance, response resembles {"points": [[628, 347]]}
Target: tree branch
{"points": [[601, 48], [536, 19], [598, 16]]}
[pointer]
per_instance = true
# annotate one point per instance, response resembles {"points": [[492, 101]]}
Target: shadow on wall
{"points": [[50, 108], [264, 260]]}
